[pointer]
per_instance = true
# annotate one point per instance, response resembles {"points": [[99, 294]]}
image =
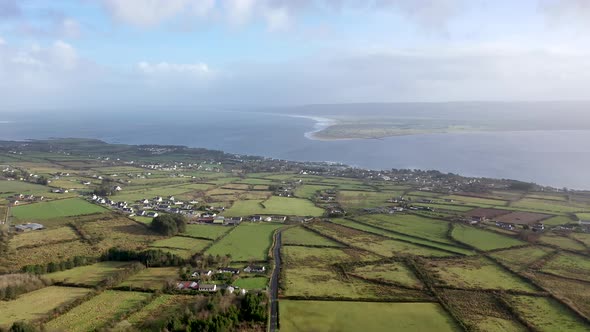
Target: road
{"points": [[274, 284]]}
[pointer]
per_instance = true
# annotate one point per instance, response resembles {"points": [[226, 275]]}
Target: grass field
{"points": [[397, 236], [89, 275], [557, 220], [521, 257], [476, 273], [274, 205], [37, 304], [43, 236], [251, 283], [150, 193], [379, 245], [303, 316], [301, 236], [246, 242], [546, 314], [575, 292], [55, 209], [483, 240], [152, 278], [309, 190], [475, 201], [364, 199], [395, 272], [206, 231], [96, 312], [430, 229], [21, 187], [569, 265], [182, 242], [547, 206], [310, 272], [583, 216], [160, 306], [562, 242]]}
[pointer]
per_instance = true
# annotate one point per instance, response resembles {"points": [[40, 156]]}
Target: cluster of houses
{"points": [[21, 198], [505, 219], [198, 276]]}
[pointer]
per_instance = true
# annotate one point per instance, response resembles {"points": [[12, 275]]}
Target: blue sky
{"points": [[106, 53]]}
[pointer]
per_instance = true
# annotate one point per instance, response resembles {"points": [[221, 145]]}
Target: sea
{"points": [[559, 158]]}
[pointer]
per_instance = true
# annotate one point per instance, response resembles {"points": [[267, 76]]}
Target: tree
{"points": [[22, 327], [168, 224]]}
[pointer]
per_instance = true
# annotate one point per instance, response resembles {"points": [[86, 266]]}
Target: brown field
{"points": [[522, 218], [485, 212]]}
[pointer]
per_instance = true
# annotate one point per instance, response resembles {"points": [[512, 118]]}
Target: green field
{"points": [[395, 272], [309, 190], [55, 209], [37, 304], [303, 316], [396, 236], [521, 257], [547, 206], [562, 242], [152, 278], [483, 240], [150, 193], [569, 265], [379, 245], [96, 312], [546, 314], [583, 216], [21, 187], [426, 228], [251, 283], [43, 236], [475, 201], [206, 231], [90, 275], [275, 205], [301, 236], [476, 273], [364, 199], [182, 242], [246, 242]]}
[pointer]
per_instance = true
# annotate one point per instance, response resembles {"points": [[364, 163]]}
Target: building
{"points": [[207, 288], [255, 269], [28, 227], [228, 270]]}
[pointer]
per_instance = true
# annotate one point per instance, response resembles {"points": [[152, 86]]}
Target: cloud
{"points": [[165, 68], [566, 12], [145, 13], [2, 41]]}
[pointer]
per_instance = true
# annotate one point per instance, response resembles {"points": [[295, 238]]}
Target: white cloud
{"points": [[2, 42], [70, 28], [64, 55], [240, 11], [200, 69], [277, 18], [145, 12]]}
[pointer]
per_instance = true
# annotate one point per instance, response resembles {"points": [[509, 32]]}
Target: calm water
{"points": [[557, 158]]}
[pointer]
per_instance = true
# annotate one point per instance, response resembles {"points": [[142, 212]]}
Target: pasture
{"points": [[37, 304], [302, 316], [394, 272], [251, 283], [95, 313], [211, 232], [55, 209], [151, 278], [426, 228], [182, 242], [302, 236], [521, 257], [475, 273], [246, 242], [41, 237], [309, 190], [481, 239], [546, 314], [90, 275], [21, 187], [547, 206], [569, 265], [562, 242], [363, 199]]}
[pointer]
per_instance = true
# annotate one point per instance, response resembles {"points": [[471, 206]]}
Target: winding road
{"points": [[274, 284]]}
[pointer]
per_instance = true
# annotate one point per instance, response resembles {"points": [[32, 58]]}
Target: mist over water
{"points": [[558, 158]]}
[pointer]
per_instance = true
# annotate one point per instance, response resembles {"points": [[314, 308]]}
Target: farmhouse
{"points": [[228, 270], [202, 273], [207, 288], [254, 269]]}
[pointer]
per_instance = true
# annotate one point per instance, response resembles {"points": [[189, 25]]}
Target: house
{"points": [[206, 220], [256, 218], [141, 213], [233, 221], [94, 197], [230, 289], [152, 214], [145, 201], [158, 199], [202, 273], [228, 270], [187, 285], [268, 219], [207, 288], [117, 188], [254, 269], [219, 220]]}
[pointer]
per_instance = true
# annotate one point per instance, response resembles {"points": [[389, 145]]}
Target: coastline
{"points": [[320, 124]]}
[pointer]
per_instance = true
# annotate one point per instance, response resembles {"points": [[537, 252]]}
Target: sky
{"points": [[93, 54]]}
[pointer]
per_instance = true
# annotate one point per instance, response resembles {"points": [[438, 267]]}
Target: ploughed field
{"points": [[375, 268]]}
